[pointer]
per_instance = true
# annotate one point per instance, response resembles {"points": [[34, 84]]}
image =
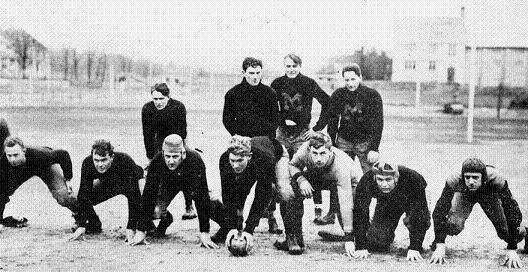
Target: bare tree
{"points": [[23, 45], [103, 60], [89, 64], [75, 65], [66, 63]]}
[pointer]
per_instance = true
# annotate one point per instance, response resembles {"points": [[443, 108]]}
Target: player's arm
{"points": [[333, 116], [361, 220], [148, 132], [442, 207], [375, 113], [324, 99]]}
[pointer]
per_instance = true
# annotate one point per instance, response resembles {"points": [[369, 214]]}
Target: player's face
{"points": [[16, 155], [160, 101], [291, 68], [385, 183], [238, 163], [173, 159], [473, 180], [320, 156], [102, 164], [352, 80], [253, 75]]}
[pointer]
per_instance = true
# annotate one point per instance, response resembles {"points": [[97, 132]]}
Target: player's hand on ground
{"points": [[350, 249], [249, 239], [523, 228], [361, 254], [414, 256], [306, 136], [512, 259], [205, 241], [78, 234], [372, 156], [129, 236], [305, 187], [139, 238], [232, 233], [438, 256]]}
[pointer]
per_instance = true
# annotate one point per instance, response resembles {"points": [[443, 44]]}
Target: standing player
{"points": [[250, 110], [171, 171], [295, 93], [20, 163], [105, 174], [398, 190], [357, 118], [248, 161], [161, 117], [356, 122], [316, 164], [4, 131], [477, 183]]}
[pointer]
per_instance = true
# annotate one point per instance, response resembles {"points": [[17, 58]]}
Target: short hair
{"points": [[240, 146], [162, 88], [251, 62], [11, 141], [296, 59], [319, 139], [102, 147], [352, 68]]}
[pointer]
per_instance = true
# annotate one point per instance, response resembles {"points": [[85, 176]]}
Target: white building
{"points": [[437, 49]]}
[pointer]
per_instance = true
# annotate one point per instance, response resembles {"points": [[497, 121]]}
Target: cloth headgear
{"points": [[475, 165], [386, 169], [173, 143]]}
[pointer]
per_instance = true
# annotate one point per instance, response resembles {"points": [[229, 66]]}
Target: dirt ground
{"points": [[432, 143]]}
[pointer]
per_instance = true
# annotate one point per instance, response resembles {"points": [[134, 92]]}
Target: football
{"points": [[238, 246]]}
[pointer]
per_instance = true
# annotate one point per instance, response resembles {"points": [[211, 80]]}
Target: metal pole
{"points": [[471, 100]]}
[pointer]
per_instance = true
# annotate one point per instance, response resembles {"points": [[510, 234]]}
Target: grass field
{"points": [[429, 142]]}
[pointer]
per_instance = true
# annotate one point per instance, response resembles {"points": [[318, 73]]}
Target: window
{"points": [[452, 49], [519, 63], [433, 47], [410, 65], [432, 65], [411, 46]]}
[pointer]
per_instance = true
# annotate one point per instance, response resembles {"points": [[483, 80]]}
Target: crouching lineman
{"points": [[315, 165], [105, 174], [171, 171], [20, 163], [398, 190], [477, 183], [248, 161]]}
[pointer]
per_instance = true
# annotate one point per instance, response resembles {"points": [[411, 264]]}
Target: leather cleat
{"points": [[328, 219], [293, 245], [273, 226], [281, 245], [318, 215], [189, 213]]}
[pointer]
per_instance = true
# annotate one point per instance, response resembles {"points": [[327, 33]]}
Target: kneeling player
{"points": [[398, 190], [248, 161], [171, 171], [315, 165], [477, 183], [105, 174], [20, 163]]}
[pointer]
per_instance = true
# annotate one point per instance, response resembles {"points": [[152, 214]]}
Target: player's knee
{"points": [[454, 226]]}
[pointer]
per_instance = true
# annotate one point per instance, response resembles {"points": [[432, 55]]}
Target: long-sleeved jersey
{"points": [[158, 124], [357, 116], [162, 183], [120, 179], [251, 110], [236, 187], [407, 196], [496, 185], [295, 97]]}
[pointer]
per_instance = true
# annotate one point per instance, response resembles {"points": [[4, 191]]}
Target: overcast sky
{"points": [[219, 35]]}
